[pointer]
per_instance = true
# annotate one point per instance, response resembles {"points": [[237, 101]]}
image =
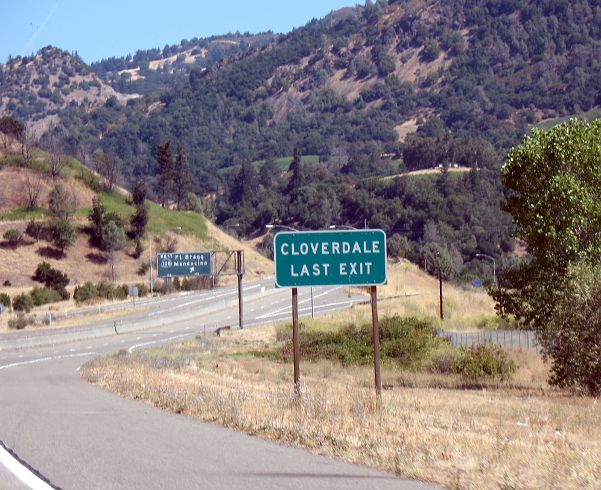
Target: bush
{"points": [[19, 323], [85, 292], [34, 229], [41, 272], [23, 302], [443, 362], [404, 341], [51, 278], [42, 296], [12, 237], [5, 300], [484, 362], [142, 290]]}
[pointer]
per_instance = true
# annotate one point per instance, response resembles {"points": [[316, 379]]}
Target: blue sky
{"points": [[105, 28]]}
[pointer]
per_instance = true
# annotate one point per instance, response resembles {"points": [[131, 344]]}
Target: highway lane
{"points": [[78, 436]]}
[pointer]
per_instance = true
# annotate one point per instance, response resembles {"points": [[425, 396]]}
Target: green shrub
{"points": [[142, 290], [52, 278], [5, 299], [34, 229], [105, 290], [405, 341], [23, 302], [12, 237], [85, 292], [484, 362], [41, 272], [121, 292], [41, 296]]}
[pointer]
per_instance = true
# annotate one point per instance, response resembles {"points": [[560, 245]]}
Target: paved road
{"points": [[77, 436]]}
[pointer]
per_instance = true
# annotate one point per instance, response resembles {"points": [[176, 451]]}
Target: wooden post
{"points": [[440, 287], [376, 339], [240, 273], [295, 341]]}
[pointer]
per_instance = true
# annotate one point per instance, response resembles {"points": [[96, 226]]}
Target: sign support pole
{"points": [[440, 292], [240, 273], [376, 340], [295, 341]]}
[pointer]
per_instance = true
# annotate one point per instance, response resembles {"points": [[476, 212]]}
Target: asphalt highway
{"points": [[72, 435]]}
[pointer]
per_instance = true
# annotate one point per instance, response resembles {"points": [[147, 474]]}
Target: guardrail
{"points": [[133, 323]]}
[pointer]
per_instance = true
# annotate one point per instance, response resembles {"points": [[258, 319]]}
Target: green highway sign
{"points": [[184, 264], [330, 258]]}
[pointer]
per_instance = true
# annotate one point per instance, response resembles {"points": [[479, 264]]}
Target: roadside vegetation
{"points": [[471, 418]]}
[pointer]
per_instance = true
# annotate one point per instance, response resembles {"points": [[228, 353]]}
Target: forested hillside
{"points": [[364, 93], [154, 70]]}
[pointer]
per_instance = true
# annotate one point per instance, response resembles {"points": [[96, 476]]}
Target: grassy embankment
{"points": [[436, 427]]}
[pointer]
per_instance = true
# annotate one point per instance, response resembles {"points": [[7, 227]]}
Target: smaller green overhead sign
{"points": [[184, 264], [330, 258]]}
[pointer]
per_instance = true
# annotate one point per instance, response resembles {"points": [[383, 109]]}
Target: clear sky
{"points": [[104, 28]]}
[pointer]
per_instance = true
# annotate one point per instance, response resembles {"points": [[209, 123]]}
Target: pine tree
{"points": [[182, 178], [297, 179], [165, 164]]}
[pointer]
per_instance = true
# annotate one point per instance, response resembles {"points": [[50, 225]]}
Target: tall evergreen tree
{"points": [[165, 164], [182, 178], [297, 177]]}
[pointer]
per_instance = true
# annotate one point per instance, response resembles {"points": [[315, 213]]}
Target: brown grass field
{"points": [[517, 434]]}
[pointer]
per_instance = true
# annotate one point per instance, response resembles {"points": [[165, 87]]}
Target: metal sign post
{"points": [[240, 273], [295, 341], [376, 339], [331, 258]]}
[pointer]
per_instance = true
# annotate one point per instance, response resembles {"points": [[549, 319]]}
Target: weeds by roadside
{"points": [[518, 434]]}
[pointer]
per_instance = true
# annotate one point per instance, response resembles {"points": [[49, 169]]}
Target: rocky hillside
{"points": [[35, 89]]}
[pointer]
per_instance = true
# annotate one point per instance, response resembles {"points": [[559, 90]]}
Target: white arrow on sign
{"points": [[191, 269]]}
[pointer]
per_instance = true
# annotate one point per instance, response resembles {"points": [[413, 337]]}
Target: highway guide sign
{"points": [[184, 264], [330, 258]]}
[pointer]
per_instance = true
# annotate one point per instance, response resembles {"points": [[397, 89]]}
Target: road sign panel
{"points": [[184, 264], [330, 258]]}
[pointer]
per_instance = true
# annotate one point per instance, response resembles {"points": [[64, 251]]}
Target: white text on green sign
{"points": [[325, 258], [184, 264]]}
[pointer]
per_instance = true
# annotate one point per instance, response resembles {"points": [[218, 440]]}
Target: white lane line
{"points": [[183, 305], [144, 344], [321, 308], [21, 472], [45, 359]]}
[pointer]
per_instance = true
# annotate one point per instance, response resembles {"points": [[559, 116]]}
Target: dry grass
{"points": [[520, 435], [75, 321], [411, 292]]}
